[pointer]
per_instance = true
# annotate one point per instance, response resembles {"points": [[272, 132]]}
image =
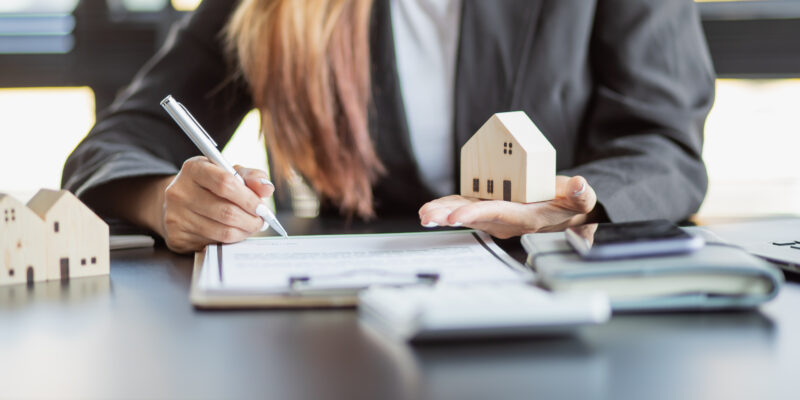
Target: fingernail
{"points": [[262, 211], [431, 225], [581, 190], [265, 226], [457, 224], [265, 181]]}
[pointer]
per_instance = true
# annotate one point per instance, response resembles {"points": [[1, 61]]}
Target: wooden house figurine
{"points": [[509, 159], [22, 251], [76, 238]]}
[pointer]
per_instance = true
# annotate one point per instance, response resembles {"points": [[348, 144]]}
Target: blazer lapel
{"points": [[496, 37]]}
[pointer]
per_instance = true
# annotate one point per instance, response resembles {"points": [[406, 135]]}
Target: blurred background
{"points": [[70, 57]]}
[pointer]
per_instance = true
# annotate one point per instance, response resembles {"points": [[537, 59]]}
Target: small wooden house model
{"points": [[22, 251], [509, 159], [76, 238]]}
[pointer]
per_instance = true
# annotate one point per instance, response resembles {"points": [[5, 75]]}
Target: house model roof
{"points": [[14, 202], [44, 201], [520, 126]]}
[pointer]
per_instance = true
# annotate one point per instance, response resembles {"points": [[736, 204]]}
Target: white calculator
{"points": [[439, 312]]}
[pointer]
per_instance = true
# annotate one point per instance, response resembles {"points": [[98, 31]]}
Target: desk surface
{"points": [[137, 336]]}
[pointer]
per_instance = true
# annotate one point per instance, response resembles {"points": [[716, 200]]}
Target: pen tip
{"points": [[278, 228]]}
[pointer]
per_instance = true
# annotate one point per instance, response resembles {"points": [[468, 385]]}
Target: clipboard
{"points": [[301, 293], [205, 299]]}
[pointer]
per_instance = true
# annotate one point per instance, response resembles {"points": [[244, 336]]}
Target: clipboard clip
{"points": [[353, 281]]}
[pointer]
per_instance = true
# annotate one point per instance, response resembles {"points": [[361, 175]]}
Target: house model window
{"points": [[525, 177], [508, 147]]}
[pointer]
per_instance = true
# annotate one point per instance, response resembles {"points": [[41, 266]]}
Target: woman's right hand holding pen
{"points": [[205, 204]]}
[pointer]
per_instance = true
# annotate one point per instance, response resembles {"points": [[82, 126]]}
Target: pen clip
{"points": [[303, 284], [197, 124]]}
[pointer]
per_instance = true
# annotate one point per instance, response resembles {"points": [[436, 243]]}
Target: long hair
{"points": [[307, 65]]}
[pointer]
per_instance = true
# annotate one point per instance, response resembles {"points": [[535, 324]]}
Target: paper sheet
{"points": [[267, 264]]}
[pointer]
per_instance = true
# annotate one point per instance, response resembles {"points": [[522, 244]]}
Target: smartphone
{"points": [[631, 239]]}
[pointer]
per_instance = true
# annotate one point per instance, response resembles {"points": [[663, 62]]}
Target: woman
{"points": [[369, 100]]}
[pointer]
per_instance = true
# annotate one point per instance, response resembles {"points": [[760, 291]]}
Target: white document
{"points": [[276, 265]]}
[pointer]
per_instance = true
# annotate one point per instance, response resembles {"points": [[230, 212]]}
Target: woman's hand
{"points": [[205, 204], [575, 199]]}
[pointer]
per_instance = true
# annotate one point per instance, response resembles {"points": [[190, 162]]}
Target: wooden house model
{"points": [[76, 239], [22, 251], [509, 159]]}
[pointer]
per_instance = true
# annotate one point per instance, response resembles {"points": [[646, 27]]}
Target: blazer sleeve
{"points": [[643, 132], [135, 136]]}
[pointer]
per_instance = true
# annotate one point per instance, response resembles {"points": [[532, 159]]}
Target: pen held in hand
{"points": [[208, 147]]}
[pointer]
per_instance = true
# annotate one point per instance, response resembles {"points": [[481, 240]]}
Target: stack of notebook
{"points": [[719, 275]]}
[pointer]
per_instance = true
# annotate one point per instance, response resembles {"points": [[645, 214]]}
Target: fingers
{"points": [[222, 184], [217, 232], [223, 211], [205, 204], [575, 194], [494, 211], [435, 213], [256, 180], [435, 217]]}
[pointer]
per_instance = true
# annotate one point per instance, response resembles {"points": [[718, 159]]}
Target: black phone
{"points": [[631, 239]]}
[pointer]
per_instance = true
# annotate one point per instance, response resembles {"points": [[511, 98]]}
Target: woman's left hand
{"points": [[575, 199]]}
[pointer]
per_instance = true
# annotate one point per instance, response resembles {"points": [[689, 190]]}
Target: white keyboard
{"points": [[479, 310]]}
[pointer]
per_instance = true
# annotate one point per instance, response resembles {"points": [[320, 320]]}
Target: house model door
{"points": [[507, 190], [64, 267]]}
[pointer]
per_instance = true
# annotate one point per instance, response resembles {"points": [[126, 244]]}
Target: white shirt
{"points": [[426, 34]]}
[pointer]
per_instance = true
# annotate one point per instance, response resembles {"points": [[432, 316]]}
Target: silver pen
{"points": [[208, 147]]}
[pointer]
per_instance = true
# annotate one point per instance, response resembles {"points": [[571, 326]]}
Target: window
{"points": [[94, 260], [769, 182], [55, 227], [490, 186], [83, 261], [476, 185], [37, 27], [137, 6], [185, 5]]}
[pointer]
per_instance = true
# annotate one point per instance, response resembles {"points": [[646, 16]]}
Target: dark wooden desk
{"points": [[137, 336]]}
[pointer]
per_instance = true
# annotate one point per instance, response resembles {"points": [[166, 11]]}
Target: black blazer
{"points": [[621, 88]]}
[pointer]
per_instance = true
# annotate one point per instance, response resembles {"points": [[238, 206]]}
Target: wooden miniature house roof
{"points": [[20, 209], [46, 200], [521, 128]]}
